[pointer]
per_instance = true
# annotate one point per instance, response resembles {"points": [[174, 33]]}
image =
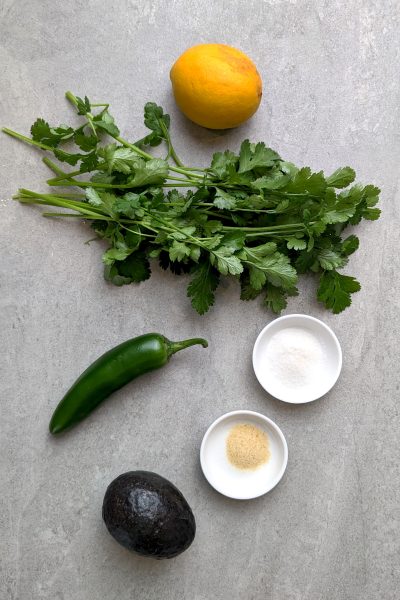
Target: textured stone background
{"points": [[330, 530]]}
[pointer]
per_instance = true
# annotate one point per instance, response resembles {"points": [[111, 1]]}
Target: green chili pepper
{"points": [[110, 372]]}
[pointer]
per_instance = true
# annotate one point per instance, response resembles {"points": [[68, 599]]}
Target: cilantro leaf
{"points": [[305, 182], [71, 159], [365, 209], [276, 266], [151, 172], [341, 178], [119, 158], [212, 226], [343, 207], [156, 120], [282, 206], [183, 233], [93, 197], [296, 244], [100, 177], [104, 200], [259, 251], [129, 205], [329, 259], [372, 193], [247, 292], [273, 181], [275, 299], [178, 251], [176, 267], [85, 142], [349, 245], [234, 240], [225, 261], [133, 237], [335, 290], [224, 200], [371, 214], [195, 253], [112, 275], [201, 289], [305, 261], [106, 122], [83, 106], [223, 164], [253, 156], [89, 162], [42, 132], [135, 268], [124, 160], [113, 254], [257, 278]]}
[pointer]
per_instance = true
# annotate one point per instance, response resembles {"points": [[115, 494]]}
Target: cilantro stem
{"points": [[66, 196], [63, 176], [90, 123], [238, 209], [89, 117], [62, 196], [77, 216], [29, 197], [25, 139], [127, 144], [189, 181], [181, 170], [75, 183], [185, 185], [174, 155], [135, 232], [70, 182], [52, 166], [259, 234], [171, 150], [85, 211], [271, 228], [71, 98]]}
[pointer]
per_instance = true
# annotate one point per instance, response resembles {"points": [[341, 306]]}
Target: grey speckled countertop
{"points": [[330, 530]]}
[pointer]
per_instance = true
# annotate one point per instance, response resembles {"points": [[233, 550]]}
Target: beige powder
{"points": [[247, 446]]}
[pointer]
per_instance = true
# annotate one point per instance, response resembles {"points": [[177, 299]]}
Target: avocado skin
{"points": [[147, 514]]}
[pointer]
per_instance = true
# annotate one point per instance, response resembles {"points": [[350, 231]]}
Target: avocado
{"points": [[147, 514]]}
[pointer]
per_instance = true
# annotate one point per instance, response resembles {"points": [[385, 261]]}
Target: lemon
{"points": [[216, 86]]}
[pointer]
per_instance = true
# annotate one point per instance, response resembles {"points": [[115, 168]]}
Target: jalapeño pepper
{"points": [[110, 372]]}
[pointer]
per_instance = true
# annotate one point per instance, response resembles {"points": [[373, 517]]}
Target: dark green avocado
{"points": [[147, 514]]}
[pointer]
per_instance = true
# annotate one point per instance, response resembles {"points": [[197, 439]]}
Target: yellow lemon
{"points": [[216, 86]]}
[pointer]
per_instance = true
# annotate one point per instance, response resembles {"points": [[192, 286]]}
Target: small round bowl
{"points": [[323, 374], [231, 481]]}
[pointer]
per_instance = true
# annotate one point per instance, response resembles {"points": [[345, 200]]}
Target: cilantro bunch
{"points": [[250, 215]]}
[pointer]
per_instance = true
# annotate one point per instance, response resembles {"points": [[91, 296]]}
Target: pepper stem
{"points": [[176, 346]]}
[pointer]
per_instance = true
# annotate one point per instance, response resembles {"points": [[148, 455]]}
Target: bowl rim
{"points": [[304, 317], [261, 417]]}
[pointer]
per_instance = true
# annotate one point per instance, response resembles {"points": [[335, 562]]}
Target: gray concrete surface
{"points": [[330, 530]]}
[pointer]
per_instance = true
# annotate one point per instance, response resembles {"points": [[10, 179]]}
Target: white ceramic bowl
{"points": [[321, 376], [234, 482]]}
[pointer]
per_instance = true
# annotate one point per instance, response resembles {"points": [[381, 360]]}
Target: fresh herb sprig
{"points": [[250, 215]]}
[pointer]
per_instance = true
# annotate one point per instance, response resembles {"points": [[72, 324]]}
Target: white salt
{"points": [[294, 357]]}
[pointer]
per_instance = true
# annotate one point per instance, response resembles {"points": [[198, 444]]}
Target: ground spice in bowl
{"points": [[247, 446]]}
